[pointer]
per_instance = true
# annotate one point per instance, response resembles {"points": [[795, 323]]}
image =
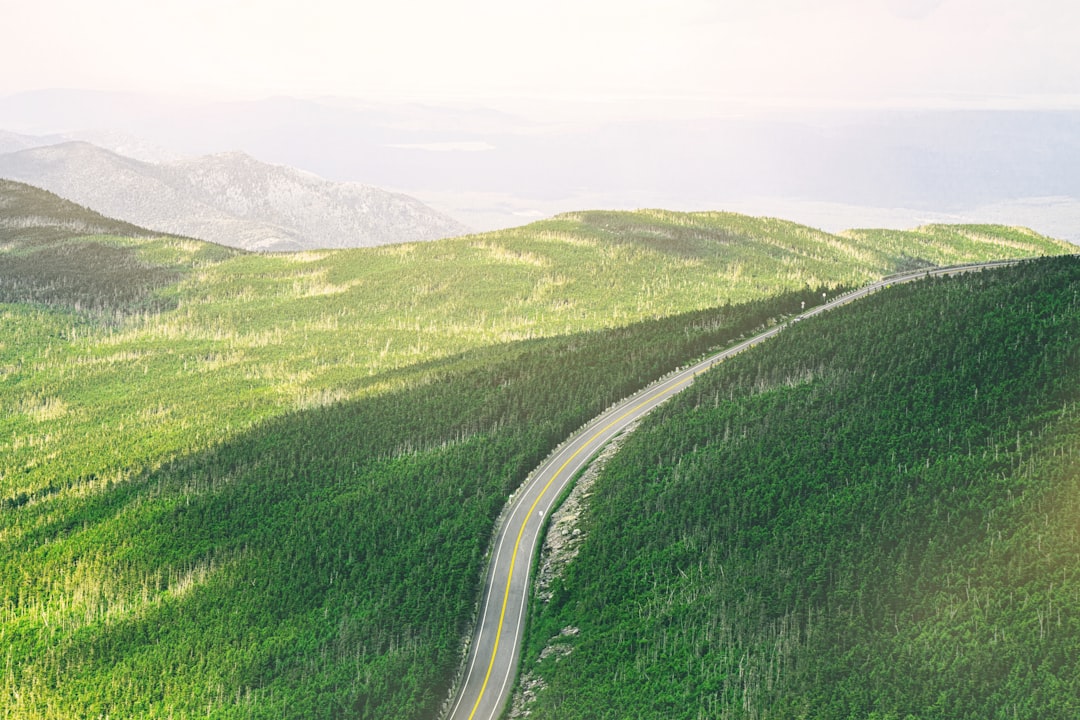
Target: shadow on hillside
{"points": [[330, 559]]}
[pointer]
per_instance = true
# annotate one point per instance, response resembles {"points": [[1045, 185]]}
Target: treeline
{"points": [[874, 516], [323, 564]]}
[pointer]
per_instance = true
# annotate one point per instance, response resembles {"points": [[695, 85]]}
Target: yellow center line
{"points": [[521, 532], [705, 365]]}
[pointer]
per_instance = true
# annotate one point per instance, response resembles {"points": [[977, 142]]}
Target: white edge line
{"points": [[519, 502], [704, 364]]}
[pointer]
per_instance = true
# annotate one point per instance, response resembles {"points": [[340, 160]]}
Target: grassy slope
{"points": [[268, 334], [319, 564], [395, 377], [32, 216], [48, 255], [834, 526]]}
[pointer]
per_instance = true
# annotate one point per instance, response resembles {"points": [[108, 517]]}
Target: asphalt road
{"points": [[495, 646]]}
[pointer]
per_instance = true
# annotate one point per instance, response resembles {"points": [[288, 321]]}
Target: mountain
{"points": [[228, 198], [31, 215], [832, 169], [287, 467], [55, 252], [317, 212], [116, 141], [873, 515], [13, 142]]}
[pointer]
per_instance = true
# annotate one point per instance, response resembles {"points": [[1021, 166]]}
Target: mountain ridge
{"points": [[228, 198]]}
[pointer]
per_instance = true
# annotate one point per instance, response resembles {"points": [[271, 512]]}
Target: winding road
{"points": [[494, 650]]}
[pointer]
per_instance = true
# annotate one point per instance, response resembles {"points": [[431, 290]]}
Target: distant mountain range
{"points": [[228, 198], [119, 142], [830, 168]]}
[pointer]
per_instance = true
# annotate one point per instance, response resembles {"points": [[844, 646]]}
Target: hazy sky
{"points": [[676, 56]]}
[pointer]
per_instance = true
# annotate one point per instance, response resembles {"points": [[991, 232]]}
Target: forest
{"points": [[323, 563], [238, 485], [872, 516]]}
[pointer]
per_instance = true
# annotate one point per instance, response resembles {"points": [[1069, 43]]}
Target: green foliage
{"points": [[33, 217], [55, 252], [946, 244], [872, 516], [85, 275], [262, 485], [265, 334], [323, 563]]}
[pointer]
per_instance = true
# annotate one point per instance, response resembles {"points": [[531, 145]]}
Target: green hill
{"points": [[53, 251], [263, 485], [872, 516], [267, 334], [31, 216]]}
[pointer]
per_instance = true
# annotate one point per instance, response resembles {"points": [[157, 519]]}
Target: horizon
{"points": [[603, 60], [836, 114], [616, 358]]}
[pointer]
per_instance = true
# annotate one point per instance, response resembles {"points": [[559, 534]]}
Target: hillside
{"points": [[873, 515], [30, 216], [289, 466], [13, 142], [53, 251], [231, 199]]}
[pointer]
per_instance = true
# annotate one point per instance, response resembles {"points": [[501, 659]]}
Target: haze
{"points": [[690, 53], [526, 109]]}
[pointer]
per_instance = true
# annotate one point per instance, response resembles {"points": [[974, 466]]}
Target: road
{"points": [[494, 651]]}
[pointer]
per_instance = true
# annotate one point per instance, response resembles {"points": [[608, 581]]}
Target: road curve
{"points": [[494, 650]]}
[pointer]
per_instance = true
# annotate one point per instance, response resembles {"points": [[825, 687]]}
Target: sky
{"points": [[666, 57], [687, 104]]}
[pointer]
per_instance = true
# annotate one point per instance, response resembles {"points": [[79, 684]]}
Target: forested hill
{"points": [[873, 515], [262, 485], [31, 215], [53, 251], [751, 244]]}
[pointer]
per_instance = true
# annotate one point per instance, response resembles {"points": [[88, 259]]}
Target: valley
{"points": [[490, 361]]}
